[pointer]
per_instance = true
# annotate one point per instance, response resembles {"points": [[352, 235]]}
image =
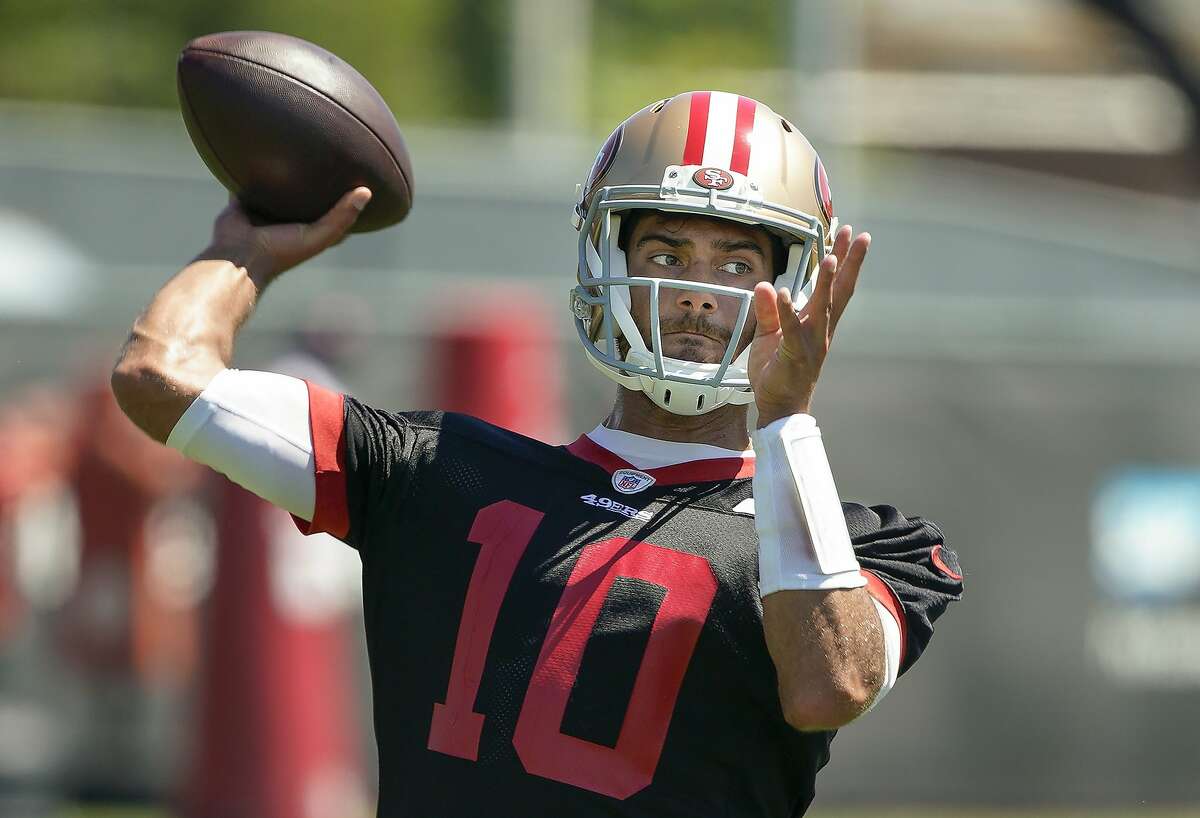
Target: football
{"points": [[289, 128]]}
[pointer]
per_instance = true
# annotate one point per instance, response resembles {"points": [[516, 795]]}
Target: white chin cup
{"points": [[681, 397]]}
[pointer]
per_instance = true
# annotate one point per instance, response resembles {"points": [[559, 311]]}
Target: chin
{"points": [[694, 352]]}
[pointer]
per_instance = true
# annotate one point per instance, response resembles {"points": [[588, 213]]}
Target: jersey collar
{"points": [[702, 470]]}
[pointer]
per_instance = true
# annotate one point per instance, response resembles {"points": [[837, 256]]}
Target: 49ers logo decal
{"points": [[824, 194], [604, 160], [713, 178]]}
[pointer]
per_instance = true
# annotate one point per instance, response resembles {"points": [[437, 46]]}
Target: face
{"points": [[696, 325]]}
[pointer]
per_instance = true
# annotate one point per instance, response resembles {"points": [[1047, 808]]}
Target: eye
{"points": [[738, 268], [666, 260]]}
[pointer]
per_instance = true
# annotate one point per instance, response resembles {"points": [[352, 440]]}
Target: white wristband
{"points": [[803, 543]]}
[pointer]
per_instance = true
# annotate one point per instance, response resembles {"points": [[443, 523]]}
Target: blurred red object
{"points": [[277, 730], [116, 623], [35, 455], [501, 363]]}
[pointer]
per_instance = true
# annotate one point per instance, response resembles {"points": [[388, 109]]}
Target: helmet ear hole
{"points": [[596, 323], [667, 396], [700, 403]]}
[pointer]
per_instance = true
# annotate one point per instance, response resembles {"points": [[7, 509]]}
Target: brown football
{"points": [[288, 128]]}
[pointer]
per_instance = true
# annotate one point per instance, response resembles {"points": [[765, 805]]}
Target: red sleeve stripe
{"points": [[331, 512], [936, 557], [883, 592], [739, 162], [697, 133]]}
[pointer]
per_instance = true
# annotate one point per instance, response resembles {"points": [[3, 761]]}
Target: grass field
{"points": [[907, 812]]}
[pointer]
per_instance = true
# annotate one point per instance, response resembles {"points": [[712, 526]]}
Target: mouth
{"points": [[693, 346], [693, 337]]}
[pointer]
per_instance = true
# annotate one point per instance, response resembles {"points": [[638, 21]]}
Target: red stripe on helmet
{"points": [[697, 132], [739, 162]]}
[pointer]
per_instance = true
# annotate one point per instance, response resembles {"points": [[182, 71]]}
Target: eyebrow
{"points": [[670, 241], [727, 245]]}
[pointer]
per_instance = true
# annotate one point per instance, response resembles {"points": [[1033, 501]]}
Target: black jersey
{"points": [[542, 643]]}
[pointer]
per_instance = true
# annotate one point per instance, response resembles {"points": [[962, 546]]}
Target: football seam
{"points": [[317, 91]]}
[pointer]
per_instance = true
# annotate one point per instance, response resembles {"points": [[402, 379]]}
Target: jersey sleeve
{"points": [[909, 570], [363, 462]]}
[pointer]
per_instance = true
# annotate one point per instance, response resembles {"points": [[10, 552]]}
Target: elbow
{"points": [[126, 382], [148, 396], [838, 701], [134, 385], [155, 380]]}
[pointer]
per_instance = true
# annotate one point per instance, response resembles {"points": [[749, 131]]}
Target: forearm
{"points": [[819, 620], [828, 651], [182, 340], [185, 337]]}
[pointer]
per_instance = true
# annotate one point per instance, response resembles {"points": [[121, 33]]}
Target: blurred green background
{"points": [[434, 62]]}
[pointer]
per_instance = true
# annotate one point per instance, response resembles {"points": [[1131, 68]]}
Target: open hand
{"points": [[266, 250], [790, 345]]}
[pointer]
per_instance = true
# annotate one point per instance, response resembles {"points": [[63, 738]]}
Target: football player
{"points": [[659, 619]]}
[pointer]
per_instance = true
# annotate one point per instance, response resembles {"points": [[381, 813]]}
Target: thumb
{"points": [[330, 228], [765, 312]]}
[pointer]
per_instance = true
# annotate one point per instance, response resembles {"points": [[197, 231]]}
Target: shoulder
{"points": [[484, 440], [884, 522], [884, 536], [450, 435]]}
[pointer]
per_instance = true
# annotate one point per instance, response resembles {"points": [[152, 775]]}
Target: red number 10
{"points": [[503, 531]]}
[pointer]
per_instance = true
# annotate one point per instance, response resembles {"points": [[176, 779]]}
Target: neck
{"points": [[634, 412]]}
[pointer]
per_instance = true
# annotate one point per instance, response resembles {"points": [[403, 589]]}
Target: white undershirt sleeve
{"points": [[891, 650], [253, 427]]}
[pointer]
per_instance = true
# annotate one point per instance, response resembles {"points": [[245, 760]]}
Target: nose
{"points": [[696, 301]]}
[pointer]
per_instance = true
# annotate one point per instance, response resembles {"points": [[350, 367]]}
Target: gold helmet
{"points": [[702, 152]]}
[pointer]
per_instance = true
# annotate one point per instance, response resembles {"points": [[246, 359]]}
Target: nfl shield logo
{"points": [[631, 481]]}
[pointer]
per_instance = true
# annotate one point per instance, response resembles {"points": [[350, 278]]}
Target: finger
{"points": [[847, 277], [795, 323], [765, 314], [795, 343], [790, 320], [330, 228], [818, 307], [819, 303], [841, 242]]}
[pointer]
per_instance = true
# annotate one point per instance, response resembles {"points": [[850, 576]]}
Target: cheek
{"points": [[639, 302], [639, 308]]}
